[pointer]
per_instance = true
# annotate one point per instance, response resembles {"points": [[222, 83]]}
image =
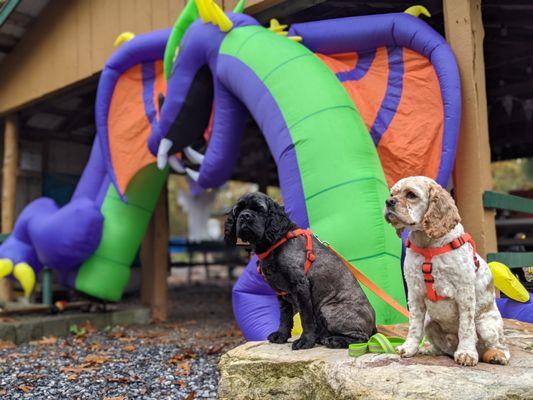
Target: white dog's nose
{"points": [[391, 202]]}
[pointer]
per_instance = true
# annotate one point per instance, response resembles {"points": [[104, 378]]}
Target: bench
{"points": [[502, 201]]}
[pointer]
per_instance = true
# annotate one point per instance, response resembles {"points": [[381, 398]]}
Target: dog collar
{"points": [[430, 252]]}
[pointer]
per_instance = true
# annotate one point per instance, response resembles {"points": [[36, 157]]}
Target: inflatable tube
{"points": [[515, 310], [312, 128]]}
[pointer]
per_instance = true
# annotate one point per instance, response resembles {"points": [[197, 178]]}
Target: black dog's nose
{"points": [[245, 216], [390, 202]]}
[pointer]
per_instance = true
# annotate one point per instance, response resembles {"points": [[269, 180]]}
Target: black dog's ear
{"points": [[230, 226], [277, 223]]}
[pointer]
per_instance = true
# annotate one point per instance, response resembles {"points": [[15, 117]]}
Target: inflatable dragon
{"points": [[346, 106]]}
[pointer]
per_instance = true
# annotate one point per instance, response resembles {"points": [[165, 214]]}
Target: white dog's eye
{"points": [[410, 195]]}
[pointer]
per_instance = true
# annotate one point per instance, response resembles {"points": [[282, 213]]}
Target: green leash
{"points": [[378, 343]]}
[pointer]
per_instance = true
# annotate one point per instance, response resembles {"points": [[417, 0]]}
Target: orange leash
{"points": [[371, 285]]}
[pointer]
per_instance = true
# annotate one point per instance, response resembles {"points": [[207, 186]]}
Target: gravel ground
{"points": [[174, 360]]}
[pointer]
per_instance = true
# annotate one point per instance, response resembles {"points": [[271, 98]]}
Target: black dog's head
{"points": [[256, 219]]}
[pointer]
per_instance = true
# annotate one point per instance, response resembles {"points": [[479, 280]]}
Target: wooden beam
{"points": [[472, 174], [154, 259], [9, 173], [9, 184]]}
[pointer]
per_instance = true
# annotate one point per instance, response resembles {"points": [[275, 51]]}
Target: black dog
{"points": [[333, 308]]}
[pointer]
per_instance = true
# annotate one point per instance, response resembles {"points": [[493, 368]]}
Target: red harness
{"points": [[309, 252], [430, 252]]}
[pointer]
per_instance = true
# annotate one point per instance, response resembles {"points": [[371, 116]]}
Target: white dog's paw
{"points": [[466, 357], [496, 356], [407, 349]]}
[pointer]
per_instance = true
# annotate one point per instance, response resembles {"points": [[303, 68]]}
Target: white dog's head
{"points": [[419, 203]]}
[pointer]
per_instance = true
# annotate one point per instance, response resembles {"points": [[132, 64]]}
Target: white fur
{"points": [[467, 323]]}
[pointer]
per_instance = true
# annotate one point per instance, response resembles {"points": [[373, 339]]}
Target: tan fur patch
{"points": [[442, 214], [494, 356]]}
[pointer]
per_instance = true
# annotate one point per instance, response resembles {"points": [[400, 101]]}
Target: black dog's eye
{"points": [[257, 207], [410, 195]]}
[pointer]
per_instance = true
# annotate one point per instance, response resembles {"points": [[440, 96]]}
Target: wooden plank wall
{"points": [[71, 41]]}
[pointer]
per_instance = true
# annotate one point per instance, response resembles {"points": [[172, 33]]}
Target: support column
{"points": [[154, 259], [472, 174], [9, 172], [9, 185]]}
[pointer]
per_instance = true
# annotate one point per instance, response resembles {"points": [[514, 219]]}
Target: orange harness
{"points": [[309, 252], [430, 252], [310, 257]]}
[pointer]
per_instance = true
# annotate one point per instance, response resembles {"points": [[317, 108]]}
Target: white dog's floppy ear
{"points": [[442, 214]]}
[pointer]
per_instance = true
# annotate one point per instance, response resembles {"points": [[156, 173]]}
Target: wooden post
{"points": [[472, 174], [9, 186], [154, 259], [9, 173]]}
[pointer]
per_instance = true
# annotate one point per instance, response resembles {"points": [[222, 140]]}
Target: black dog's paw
{"points": [[336, 342], [305, 342], [278, 337]]}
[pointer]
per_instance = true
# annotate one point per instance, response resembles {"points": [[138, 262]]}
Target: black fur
{"points": [[333, 308]]}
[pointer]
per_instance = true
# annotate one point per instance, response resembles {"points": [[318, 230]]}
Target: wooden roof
{"points": [[508, 24]]}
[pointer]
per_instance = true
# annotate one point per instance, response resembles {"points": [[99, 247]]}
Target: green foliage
{"points": [[512, 175], [77, 331]]}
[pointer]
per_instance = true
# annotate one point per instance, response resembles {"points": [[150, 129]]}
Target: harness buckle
{"points": [[425, 269], [457, 242], [429, 278], [310, 255]]}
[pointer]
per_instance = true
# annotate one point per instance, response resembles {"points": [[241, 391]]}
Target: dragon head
{"points": [[190, 68]]}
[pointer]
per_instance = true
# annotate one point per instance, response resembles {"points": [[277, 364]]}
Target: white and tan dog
{"points": [[450, 288]]}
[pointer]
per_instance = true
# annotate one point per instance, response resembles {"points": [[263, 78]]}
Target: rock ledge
{"points": [[260, 370]]}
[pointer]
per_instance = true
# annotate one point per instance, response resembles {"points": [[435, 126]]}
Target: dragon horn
{"points": [[123, 38], [185, 19], [415, 11], [239, 8], [211, 12]]}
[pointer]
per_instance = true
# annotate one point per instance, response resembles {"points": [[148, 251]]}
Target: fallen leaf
{"points": [[78, 369], [184, 368], [183, 355], [88, 326], [25, 388], [48, 340], [182, 384], [126, 339], [190, 396], [72, 377], [120, 379], [3, 392], [117, 333], [129, 348], [95, 346], [96, 359], [114, 398], [216, 348], [6, 344]]}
